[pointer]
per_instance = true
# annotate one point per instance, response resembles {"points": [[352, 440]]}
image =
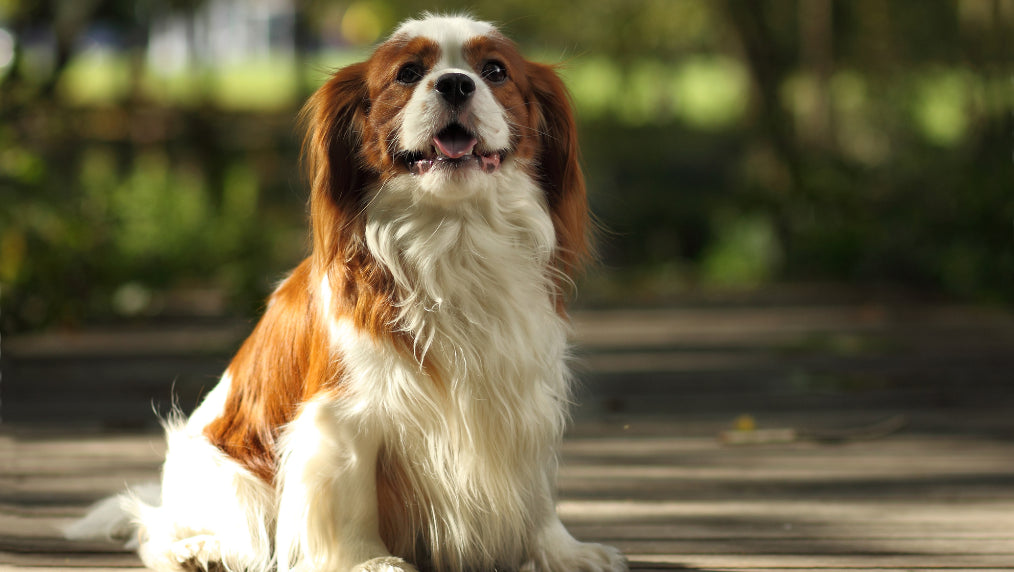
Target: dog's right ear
{"points": [[334, 117]]}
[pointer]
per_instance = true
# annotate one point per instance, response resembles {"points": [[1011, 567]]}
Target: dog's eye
{"points": [[410, 73], [494, 72]]}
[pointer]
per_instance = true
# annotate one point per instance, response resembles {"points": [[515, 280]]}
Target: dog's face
{"points": [[447, 105], [447, 109]]}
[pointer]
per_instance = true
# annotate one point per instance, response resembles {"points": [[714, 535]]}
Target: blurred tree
{"points": [[727, 143]]}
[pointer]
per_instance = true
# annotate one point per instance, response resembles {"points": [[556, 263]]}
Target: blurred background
{"points": [[805, 204], [148, 149], [808, 241]]}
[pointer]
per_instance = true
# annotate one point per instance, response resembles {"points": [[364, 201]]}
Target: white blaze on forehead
{"points": [[445, 30]]}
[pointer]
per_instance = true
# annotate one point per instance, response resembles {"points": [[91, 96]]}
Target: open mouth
{"points": [[454, 147]]}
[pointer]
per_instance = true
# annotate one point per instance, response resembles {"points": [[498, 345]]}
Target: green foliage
{"points": [[745, 252], [941, 105], [111, 235], [726, 144]]}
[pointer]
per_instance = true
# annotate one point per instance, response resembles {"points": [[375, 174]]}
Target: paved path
{"points": [[883, 440]]}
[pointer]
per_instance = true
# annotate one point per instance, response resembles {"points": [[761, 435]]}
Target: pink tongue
{"points": [[455, 146]]}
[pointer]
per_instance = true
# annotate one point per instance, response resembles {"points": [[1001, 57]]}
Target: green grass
{"points": [[705, 92], [262, 84]]}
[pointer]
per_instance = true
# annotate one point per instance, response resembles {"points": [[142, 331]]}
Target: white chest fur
{"points": [[476, 299]]}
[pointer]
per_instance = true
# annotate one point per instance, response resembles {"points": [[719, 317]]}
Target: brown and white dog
{"points": [[401, 402]]}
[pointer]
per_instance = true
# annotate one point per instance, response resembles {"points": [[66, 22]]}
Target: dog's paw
{"points": [[579, 557], [201, 552], [385, 564]]}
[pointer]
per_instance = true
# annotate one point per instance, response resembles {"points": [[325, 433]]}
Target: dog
{"points": [[400, 404]]}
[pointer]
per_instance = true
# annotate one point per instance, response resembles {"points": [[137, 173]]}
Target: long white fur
{"points": [[327, 518], [477, 299], [476, 448]]}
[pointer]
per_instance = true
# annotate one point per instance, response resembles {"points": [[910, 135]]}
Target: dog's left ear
{"points": [[560, 169]]}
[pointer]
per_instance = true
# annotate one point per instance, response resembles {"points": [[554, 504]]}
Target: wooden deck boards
{"points": [[902, 502], [643, 467]]}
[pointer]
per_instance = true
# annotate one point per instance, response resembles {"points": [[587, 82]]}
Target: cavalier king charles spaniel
{"points": [[400, 404]]}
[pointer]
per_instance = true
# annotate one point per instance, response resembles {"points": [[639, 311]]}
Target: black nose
{"points": [[455, 88]]}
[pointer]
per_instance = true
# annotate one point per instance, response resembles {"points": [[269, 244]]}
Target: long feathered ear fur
{"points": [[335, 117], [559, 165]]}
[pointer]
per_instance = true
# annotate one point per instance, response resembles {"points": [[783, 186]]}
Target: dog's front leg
{"points": [[327, 513], [556, 550]]}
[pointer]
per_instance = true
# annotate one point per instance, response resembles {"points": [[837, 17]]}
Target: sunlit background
{"points": [[149, 150]]}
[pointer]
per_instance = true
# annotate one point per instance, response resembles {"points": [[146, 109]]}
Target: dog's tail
{"points": [[116, 518]]}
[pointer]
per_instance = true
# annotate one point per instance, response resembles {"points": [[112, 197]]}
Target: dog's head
{"points": [[449, 106]]}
